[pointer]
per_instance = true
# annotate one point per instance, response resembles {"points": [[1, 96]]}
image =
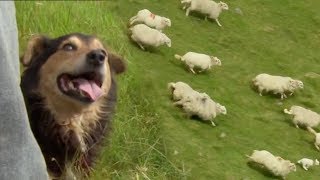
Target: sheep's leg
{"points": [[213, 124], [133, 21], [191, 69], [184, 7], [188, 11], [283, 96], [205, 18], [218, 22], [260, 90], [316, 145], [297, 126], [141, 46], [304, 167], [291, 94]]}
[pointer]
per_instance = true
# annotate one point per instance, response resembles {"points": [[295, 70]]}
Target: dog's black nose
{"points": [[96, 57]]}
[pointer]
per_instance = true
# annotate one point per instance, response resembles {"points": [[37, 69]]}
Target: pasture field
{"points": [[151, 138]]}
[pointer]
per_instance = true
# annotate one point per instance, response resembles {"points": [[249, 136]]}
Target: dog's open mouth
{"points": [[84, 87]]}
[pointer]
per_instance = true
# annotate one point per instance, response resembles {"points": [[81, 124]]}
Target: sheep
{"points": [[306, 163], [206, 7], [317, 138], [275, 164], [179, 90], [144, 35], [154, 21], [276, 84], [303, 116], [197, 60], [202, 106]]}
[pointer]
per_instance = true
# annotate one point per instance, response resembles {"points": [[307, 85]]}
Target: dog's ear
{"points": [[116, 63], [35, 47]]}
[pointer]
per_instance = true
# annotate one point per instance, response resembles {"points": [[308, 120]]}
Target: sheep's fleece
{"points": [[151, 20], [307, 163], [276, 84], [206, 7], [275, 164], [194, 102], [303, 116], [198, 60], [146, 36]]}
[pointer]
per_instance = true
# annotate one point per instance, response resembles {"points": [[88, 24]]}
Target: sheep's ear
{"points": [[116, 63], [35, 47]]}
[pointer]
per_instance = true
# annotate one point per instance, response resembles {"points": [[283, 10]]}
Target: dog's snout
{"points": [[96, 57]]}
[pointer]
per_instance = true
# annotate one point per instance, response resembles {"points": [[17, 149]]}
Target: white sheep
{"points": [[202, 106], [303, 116], [179, 90], [306, 163], [146, 36], [276, 84], [275, 164], [206, 7], [154, 21], [316, 139], [197, 60]]}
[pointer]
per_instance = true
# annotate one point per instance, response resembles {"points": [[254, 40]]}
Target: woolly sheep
{"points": [[276, 84], [179, 90], [275, 164], [146, 36], [197, 60], [154, 21], [317, 138], [202, 106], [206, 7], [303, 116], [306, 163]]}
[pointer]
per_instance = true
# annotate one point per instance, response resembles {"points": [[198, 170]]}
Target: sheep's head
{"points": [[215, 61], [295, 84], [166, 40], [166, 21], [223, 5], [292, 167], [316, 162], [222, 109]]}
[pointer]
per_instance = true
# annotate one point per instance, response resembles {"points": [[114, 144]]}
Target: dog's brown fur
{"points": [[66, 129]]}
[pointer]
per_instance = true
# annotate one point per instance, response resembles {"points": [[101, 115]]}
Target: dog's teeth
{"points": [[63, 85], [81, 93], [70, 84]]}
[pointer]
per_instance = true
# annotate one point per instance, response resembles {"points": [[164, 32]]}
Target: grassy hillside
{"points": [[152, 138]]}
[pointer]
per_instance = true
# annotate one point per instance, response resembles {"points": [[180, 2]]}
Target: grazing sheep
{"points": [[276, 84], [197, 60], [202, 106], [317, 138], [206, 7], [154, 21], [306, 163], [303, 116], [275, 164], [146, 36]]}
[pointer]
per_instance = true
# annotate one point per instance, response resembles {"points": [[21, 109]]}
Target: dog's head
{"points": [[74, 68]]}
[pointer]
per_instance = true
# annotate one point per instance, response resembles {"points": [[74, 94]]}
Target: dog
{"points": [[69, 89]]}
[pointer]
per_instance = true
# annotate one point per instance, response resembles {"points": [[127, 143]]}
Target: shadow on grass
{"points": [[262, 170]]}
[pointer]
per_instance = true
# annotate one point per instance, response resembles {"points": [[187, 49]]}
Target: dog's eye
{"points": [[69, 47]]}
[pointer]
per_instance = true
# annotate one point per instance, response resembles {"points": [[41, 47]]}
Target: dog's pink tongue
{"points": [[89, 87]]}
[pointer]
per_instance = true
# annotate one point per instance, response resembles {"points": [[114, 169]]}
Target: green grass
{"points": [[276, 37]]}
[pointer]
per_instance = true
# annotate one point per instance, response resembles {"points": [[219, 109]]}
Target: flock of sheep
{"points": [[146, 30]]}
